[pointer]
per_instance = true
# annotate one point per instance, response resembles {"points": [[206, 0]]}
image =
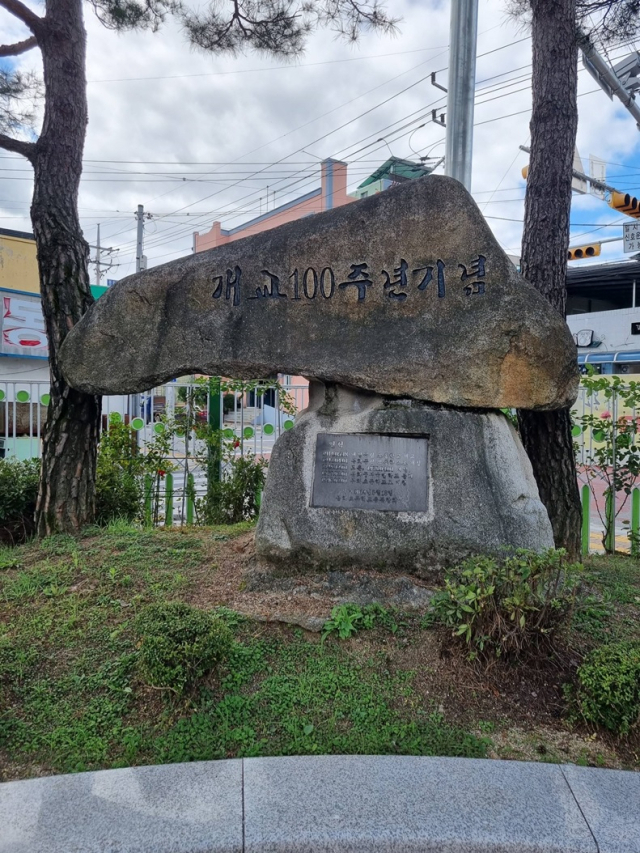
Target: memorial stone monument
{"points": [[413, 327]]}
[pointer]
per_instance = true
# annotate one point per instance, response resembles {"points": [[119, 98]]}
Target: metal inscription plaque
{"points": [[377, 472]]}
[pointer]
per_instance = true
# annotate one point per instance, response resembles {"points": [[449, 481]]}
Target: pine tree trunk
{"points": [[66, 499], [554, 120]]}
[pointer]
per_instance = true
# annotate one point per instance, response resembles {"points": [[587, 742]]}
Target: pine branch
{"points": [[24, 14], [17, 146], [19, 47]]}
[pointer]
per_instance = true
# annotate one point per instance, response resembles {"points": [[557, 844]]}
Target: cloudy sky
{"points": [[197, 138]]}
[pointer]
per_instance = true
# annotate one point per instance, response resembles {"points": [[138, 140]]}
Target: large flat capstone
{"points": [[406, 294]]}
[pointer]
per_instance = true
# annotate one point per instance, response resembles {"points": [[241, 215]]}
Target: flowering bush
{"points": [[122, 469], [613, 455]]}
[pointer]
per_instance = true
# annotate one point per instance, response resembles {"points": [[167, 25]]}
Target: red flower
{"points": [[236, 443], [161, 473]]}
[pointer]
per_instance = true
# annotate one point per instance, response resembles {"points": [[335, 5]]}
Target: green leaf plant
{"points": [[612, 456]]}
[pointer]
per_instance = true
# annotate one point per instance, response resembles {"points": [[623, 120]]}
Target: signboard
{"points": [[598, 171], [631, 237], [22, 326], [578, 185], [375, 472]]}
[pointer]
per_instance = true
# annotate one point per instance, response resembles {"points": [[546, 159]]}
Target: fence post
{"points": [[635, 522], [148, 489], [215, 422], [168, 500], [610, 522], [586, 499], [190, 503]]}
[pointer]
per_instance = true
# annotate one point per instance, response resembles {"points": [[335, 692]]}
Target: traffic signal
{"points": [[525, 172], [577, 253], [625, 203]]}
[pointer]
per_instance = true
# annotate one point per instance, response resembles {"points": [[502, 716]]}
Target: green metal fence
{"points": [[609, 539]]}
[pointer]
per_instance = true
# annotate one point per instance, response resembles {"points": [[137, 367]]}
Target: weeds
{"points": [[347, 619]]}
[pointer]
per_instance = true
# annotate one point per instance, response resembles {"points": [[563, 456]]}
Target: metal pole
{"points": [[586, 536], [607, 78], [139, 266], [599, 185], [140, 219], [462, 83], [215, 423], [98, 258]]}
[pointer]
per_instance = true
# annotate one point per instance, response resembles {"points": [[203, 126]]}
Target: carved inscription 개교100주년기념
{"points": [[323, 283], [377, 472]]}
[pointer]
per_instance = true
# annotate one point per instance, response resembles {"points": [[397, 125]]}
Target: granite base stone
{"points": [[478, 491]]}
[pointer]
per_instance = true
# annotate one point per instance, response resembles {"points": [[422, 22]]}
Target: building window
{"points": [[586, 299]]}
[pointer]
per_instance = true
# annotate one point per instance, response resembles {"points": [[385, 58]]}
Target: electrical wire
{"points": [[162, 237], [494, 50]]}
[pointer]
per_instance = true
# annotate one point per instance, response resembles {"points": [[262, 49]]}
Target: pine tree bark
{"points": [[66, 499], [554, 120]]}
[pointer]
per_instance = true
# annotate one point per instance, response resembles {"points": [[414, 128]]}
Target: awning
{"points": [[608, 357]]}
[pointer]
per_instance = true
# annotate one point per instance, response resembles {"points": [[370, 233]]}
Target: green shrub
{"points": [[118, 444], [235, 497], [509, 607], [18, 494], [118, 473], [608, 692], [180, 644], [118, 492]]}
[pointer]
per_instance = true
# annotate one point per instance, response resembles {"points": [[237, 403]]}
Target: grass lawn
{"points": [[71, 697]]}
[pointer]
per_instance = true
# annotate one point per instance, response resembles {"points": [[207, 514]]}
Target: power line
{"points": [[379, 131], [291, 66], [177, 232], [366, 112]]}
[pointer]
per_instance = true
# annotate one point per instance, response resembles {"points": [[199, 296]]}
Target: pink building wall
{"points": [[331, 193]]}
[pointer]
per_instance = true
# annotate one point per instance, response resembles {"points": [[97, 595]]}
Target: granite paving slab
{"points": [[396, 803], [176, 808], [610, 803], [322, 804]]}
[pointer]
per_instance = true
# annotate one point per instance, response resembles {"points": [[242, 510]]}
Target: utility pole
{"points": [[98, 264], [98, 258], [141, 260], [141, 264], [461, 90]]}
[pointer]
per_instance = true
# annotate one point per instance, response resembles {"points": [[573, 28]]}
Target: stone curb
{"points": [[326, 804]]}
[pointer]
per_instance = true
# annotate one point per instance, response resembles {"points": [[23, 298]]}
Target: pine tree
{"points": [[557, 26]]}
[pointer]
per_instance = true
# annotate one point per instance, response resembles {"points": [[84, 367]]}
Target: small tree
{"points": [[613, 455], [66, 499]]}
